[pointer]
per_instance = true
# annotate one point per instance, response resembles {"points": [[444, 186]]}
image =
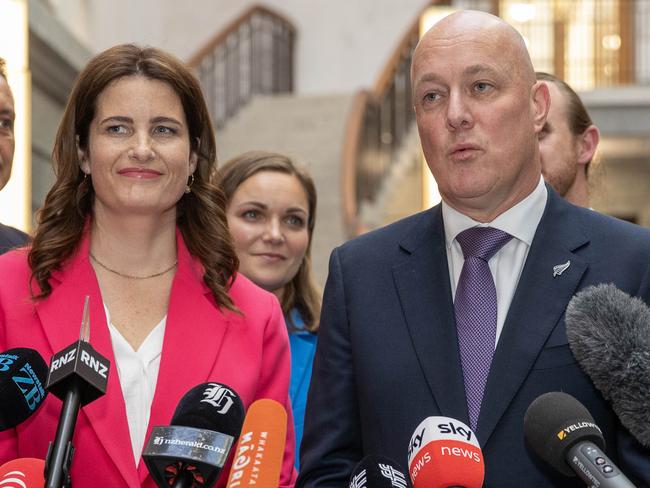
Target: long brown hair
{"points": [[301, 293], [201, 215]]}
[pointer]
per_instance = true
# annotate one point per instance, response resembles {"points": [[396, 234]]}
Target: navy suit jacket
{"points": [[388, 353], [10, 238]]}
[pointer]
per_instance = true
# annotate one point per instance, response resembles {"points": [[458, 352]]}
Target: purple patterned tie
{"points": [[475, 306]]}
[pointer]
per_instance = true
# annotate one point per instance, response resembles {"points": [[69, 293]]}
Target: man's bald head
{"points": [[482, 27], [478, 109]]}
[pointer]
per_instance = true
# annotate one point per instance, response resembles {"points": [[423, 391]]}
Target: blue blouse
{"points": [[303, 348]]}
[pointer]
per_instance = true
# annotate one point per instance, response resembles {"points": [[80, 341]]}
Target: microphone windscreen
{"points": [[211, 406], [260, 449], [378, 472], [609, 334], [553, 423], [23, 473], [22, 378], [444, 452]]}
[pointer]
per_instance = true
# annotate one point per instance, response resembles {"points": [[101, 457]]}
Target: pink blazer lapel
{"points": [[60, 316], [194, 334]]}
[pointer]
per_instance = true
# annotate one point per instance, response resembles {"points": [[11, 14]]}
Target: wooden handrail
{"points": [[369, 107], [351, 143], [223, 34], [383, 81]]}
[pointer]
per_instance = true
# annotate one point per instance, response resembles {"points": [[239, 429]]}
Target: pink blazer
{"points": [[250, 353]]}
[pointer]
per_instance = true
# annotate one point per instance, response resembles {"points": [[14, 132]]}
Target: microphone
{"points": [[444, 453], [609, 335], [22, 375], [78, 375], [193, 449], [22, 473], [562, 432], [377, 472], [260, 450]]}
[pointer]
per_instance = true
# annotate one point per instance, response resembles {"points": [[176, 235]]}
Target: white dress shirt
{"points": [[507, 264], [138, 373]]}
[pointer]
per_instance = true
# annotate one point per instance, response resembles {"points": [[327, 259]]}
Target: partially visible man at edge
{"points": [[567, 142], [392, 350], [9, 237]]}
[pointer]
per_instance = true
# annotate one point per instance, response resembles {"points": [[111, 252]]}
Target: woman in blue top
{"points": [[271, 210]]}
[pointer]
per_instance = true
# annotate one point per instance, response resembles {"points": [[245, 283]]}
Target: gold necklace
{"points": [[132, 277]]}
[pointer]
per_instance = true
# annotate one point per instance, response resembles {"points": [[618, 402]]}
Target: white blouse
{"points": [[138, 373]]}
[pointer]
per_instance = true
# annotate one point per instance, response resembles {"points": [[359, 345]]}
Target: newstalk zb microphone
{"points": [[444, 453], [22, 473], [609, 334], [191, 452], [22, 375], [78, 376], [562, 432], [378, 472], [260, 450]]}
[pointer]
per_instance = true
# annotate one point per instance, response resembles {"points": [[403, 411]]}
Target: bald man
{"points": [[9, 237], [408, 331]]}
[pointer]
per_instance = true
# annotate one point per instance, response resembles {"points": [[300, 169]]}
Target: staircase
{"points": [[310, 130]]}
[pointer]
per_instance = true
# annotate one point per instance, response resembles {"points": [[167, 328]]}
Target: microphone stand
{"points": [[185, 479], [59, 456]]}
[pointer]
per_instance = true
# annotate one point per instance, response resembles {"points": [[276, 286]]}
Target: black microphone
{"points": [[78, 375], [193, 449], [378, 472], [609, 335], [22, 375], [562, 432]]}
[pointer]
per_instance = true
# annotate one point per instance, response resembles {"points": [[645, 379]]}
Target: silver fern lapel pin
{"points": [[558, 269]]}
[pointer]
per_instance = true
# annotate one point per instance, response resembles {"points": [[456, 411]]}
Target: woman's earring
{"points": [[188, 187]]}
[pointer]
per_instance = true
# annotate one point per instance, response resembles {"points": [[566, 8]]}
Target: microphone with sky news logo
{"points": [[562, 432], [444, 453], [192, 450], [78, 375], [22, 473], [378, 472], [22, 377]]}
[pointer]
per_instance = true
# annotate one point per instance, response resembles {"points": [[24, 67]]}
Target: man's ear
{"points": [[587, 144], [541, 102]]}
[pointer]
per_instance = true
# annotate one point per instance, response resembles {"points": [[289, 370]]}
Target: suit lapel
{"points": [[422, 282], [537, 306], [60, 316], [194, 334]]}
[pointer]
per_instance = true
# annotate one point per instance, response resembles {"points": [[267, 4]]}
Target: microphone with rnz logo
{"points": [[562, 432], [22, 473], [378, 472], [444, 453], [192, 450], [22, 376], [78, 376], [260, 450]]}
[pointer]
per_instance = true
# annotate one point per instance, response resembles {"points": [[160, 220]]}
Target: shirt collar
{"points": [[519, 221]]}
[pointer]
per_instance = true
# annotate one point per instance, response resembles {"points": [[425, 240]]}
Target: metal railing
{"points": [[379, 120], [252, 55]]}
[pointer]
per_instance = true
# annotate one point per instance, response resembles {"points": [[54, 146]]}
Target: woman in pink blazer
{"points": [[133, 222]]}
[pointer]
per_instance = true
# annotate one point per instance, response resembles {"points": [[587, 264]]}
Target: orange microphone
{"points": [[260, 449], [23, 473]]}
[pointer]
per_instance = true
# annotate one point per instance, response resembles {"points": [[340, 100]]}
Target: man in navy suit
{"points": [[9, 237], [389, 349]]}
